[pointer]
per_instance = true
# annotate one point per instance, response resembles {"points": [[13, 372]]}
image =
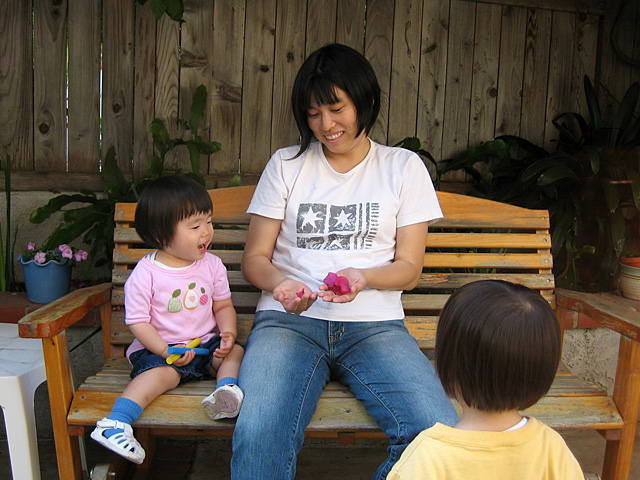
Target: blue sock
{"points": [[226, 381], [125, 411]]}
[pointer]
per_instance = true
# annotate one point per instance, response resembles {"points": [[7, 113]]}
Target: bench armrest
{"points": [[55, 317], [609, 310]]}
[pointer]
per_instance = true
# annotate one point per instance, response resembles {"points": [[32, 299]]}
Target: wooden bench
{"points": [[477, 239]]}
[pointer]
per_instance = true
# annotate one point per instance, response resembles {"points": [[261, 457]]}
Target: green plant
{"points": [[94, 222], [196, 145], [590, 184], [173, 8]]}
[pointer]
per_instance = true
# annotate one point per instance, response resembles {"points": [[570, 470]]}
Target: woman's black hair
{"points": [[498, 345], [331, 66], [164, 203]]}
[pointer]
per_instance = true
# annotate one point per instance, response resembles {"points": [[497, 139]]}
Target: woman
{"points": [[347, 205]]}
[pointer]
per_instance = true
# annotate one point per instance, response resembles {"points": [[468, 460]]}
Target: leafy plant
{"points": [[590, 184], [196, 145], [94, 222], [173, 8]]}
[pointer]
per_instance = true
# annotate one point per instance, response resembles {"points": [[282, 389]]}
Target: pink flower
{"points": [[40, 257], [66, 251], [337, 283], [31, 246], [77, 256], [83, 255], [300, 294]]}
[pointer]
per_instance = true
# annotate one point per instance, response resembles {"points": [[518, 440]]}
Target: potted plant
{"points": [[47, 273], [590, 184]]}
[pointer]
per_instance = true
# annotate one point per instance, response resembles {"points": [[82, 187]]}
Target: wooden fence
{"points": [[77, 76]]}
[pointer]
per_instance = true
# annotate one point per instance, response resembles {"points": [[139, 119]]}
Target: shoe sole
{"points": [[223, 405]]}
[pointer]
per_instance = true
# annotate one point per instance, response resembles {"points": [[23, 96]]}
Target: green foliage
{"points": [[590, 184], [196, 145], [173, 8], [94, 221]]}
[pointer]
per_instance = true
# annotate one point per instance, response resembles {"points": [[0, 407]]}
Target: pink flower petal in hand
{"points": [[339, 285], [300, 293], [329, 279]]}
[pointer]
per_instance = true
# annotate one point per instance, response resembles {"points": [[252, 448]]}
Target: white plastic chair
{"points": [[21, 371]]}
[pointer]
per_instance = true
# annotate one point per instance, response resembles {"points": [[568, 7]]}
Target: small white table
{"points": [[21, 371]]}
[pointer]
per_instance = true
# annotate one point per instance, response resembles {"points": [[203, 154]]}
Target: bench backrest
{"points": [[477, 239]]}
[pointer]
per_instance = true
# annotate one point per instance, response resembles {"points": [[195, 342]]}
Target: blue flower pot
{"points": [[46, 282]]}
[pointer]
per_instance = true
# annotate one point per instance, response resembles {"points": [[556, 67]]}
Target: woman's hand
{"points": [[185, 359], [227, 340], [357, 283], [287, 294]]}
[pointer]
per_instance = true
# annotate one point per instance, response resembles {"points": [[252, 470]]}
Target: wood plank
{"points": [[225, 94], [118, 79], [560, 66], [617, 316], [167, 73], [257, 85], [60, 384], [592, 6], [49, 84], [488, 240], [615, 75], [16, 84], [196, 38], [403, 94], [144, 88], [536, 68], [350, 23], [512, 49], [487, 260], [378, 50], [484, 86], [337, 410], [433, 70], [584, 59], [289, 55], [321, 24], [458, 85], [448, 281], [85, 25]]}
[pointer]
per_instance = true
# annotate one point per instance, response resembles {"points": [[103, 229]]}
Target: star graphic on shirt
{"points": [[310, 217], [343, 219]]}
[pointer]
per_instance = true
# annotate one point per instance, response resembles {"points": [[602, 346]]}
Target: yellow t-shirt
{"points": [[534, 451]]}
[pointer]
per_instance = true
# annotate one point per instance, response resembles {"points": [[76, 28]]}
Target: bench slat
{"points": [[337, 410]]}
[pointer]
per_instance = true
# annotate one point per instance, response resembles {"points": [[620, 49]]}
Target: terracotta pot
{"points": [[632, 261], [630, 281]]}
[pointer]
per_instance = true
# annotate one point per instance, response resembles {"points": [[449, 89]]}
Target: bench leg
{"points": [[60, 385], [626, 393]]}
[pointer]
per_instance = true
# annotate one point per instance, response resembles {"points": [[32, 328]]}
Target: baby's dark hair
{"points": [[331, 66], [498, 345], [164, 203]]}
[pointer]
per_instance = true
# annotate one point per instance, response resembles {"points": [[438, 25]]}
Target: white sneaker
{"points": [[224, 402]]}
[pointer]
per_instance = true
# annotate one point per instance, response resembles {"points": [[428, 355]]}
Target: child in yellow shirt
{"points": [[497, 351]]}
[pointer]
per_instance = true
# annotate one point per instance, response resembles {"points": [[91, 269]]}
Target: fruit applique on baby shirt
{"points": [[204, 297], [191, 298], [175, 305]]}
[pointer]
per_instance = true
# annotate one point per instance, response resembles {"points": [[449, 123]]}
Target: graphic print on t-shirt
{"points": [[337, 227]]}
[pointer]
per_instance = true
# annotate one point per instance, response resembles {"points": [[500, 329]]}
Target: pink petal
{"points": [[300, 293], [341, 286], [329, 279]]}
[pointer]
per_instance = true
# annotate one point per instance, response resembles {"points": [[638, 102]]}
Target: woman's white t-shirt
{"points": [[331, 221]]}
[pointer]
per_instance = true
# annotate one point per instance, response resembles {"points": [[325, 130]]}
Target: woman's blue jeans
{"points": [[288, 361]]}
